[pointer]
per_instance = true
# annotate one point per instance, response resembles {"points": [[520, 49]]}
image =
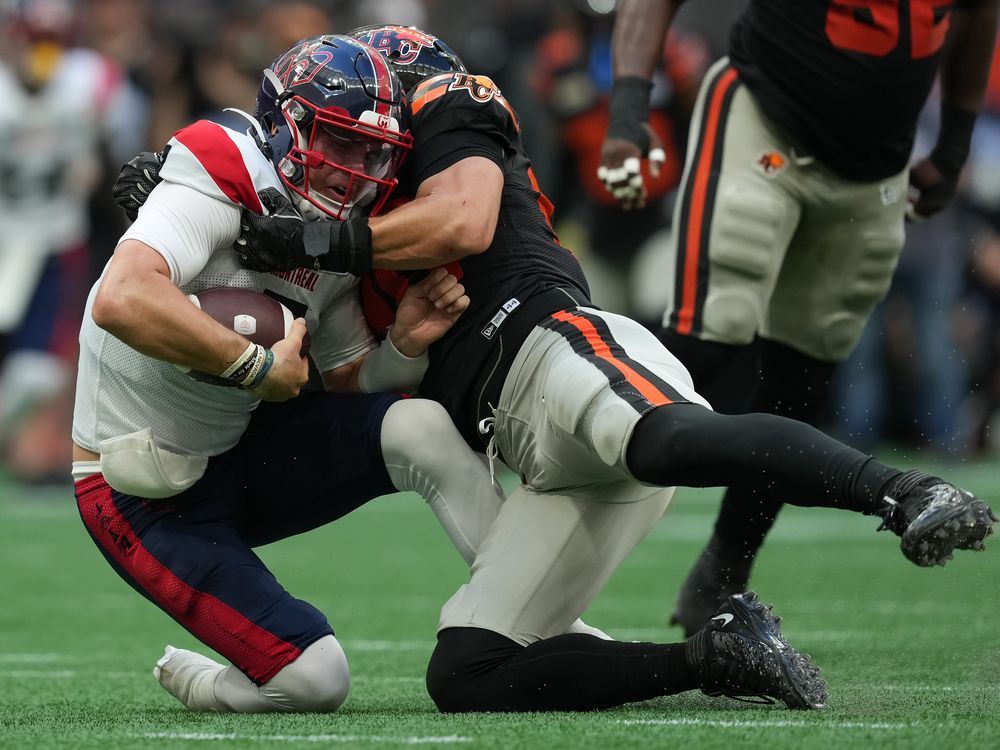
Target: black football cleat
{"points": [[711, 581], [934, 518], [742, 654]]}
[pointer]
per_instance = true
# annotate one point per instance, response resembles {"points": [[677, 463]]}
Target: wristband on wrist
{"points": [[256, 378], [338, 246], [250, 369], [387, 369], [629, 108], [238, 370], [954, 139]]}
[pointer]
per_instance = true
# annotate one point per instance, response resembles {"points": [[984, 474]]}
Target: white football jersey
{"points": [[192, 220], [50, 147]]}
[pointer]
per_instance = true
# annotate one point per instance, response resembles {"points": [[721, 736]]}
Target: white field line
{"points": [[697, 528], [29, 658], [782, 723], [386, 739], [363, 678], [59, 674], [353, 645], [63, 674]]}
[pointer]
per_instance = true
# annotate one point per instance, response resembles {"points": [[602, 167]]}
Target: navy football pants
{"points": [[299, 465]]}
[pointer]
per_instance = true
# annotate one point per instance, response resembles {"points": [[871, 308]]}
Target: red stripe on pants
{"points": [[256, 652]]}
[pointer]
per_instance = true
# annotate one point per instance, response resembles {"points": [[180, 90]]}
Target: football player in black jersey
{"points": [[599, 421], [790, 216]]}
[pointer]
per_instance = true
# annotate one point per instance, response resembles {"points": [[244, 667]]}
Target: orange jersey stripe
{"points": [[427, 96], [544, 204], [649, 391], [699, 191]]}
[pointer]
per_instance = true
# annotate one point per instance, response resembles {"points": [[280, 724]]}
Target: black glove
{"points": [[282, 240], [138, 177], [930, 190]]}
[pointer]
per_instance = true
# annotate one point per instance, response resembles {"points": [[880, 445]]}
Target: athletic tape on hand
{"points": [[624, 182]]}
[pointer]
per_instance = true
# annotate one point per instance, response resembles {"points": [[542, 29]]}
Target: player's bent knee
{"points": [[464, 671], [412, 425], [732, 316], [317, 682], [668, 440]]}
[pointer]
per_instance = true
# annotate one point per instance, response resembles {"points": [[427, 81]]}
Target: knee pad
{"points": [[830, 329], [747, 244], [317, 682]]}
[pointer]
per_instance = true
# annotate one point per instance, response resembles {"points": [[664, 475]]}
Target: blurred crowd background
{"points": [[86, 84]]}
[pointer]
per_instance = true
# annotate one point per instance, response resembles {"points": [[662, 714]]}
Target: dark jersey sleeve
{"points": [[456, 116]]}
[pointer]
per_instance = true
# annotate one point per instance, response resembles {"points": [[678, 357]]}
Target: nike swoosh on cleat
{"points": [[725, 617]]}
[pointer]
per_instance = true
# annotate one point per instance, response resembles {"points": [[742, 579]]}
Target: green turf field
{"points": [[911, 655]]}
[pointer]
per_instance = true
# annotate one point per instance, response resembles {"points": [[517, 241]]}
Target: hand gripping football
{"points": [[255, 316]]}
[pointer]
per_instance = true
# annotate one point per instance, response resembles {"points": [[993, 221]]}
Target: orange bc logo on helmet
{"points": [[480, 88], [770, 163], [405, 43]]}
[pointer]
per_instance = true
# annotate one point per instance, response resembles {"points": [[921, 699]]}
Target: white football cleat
{"points": [[189, 677]]}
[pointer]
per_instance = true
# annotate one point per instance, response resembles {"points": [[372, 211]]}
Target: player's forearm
{"points": [[144, 309], [426, 233], [397, 364], [965, 69], [965, 65], [639, 32]]}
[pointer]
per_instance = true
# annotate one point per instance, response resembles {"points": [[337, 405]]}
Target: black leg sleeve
{"points": [[792, 385], [479, 670], [691, 446], [725, 374]]}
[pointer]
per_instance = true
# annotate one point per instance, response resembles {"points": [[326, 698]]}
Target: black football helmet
{"points": [[335, 123], [414, 54]]}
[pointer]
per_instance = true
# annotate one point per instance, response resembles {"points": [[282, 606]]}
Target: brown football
{"points": [[259, 318], [255, 316]]}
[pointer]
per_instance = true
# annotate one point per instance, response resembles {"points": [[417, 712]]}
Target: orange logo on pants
{"points": [[771, 162]]}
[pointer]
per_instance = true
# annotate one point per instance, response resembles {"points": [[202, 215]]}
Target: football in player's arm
{"points": [[600, 422], [176, 479]]}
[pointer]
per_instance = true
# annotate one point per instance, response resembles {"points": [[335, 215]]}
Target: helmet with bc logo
{"points": [[414, 54]]}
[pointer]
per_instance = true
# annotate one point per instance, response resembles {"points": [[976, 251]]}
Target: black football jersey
{"points": [[456, 116], [845, 78]]}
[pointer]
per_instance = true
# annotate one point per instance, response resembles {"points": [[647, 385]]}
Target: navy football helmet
{"points": [[414, 54], [335, 123]]}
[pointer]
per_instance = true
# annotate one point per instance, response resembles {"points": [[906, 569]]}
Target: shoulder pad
{"points": [[220, 162], [461, 100]]}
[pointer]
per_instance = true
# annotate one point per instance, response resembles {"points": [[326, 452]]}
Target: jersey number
{"points": [[872, 26]]}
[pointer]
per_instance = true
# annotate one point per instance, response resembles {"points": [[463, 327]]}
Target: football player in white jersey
{"points": [[61, 106], [177, 480]]}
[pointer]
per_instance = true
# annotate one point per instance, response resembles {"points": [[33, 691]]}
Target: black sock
{"points": [[479, 670], [793, 385], [725, 374], [690, 446]]}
